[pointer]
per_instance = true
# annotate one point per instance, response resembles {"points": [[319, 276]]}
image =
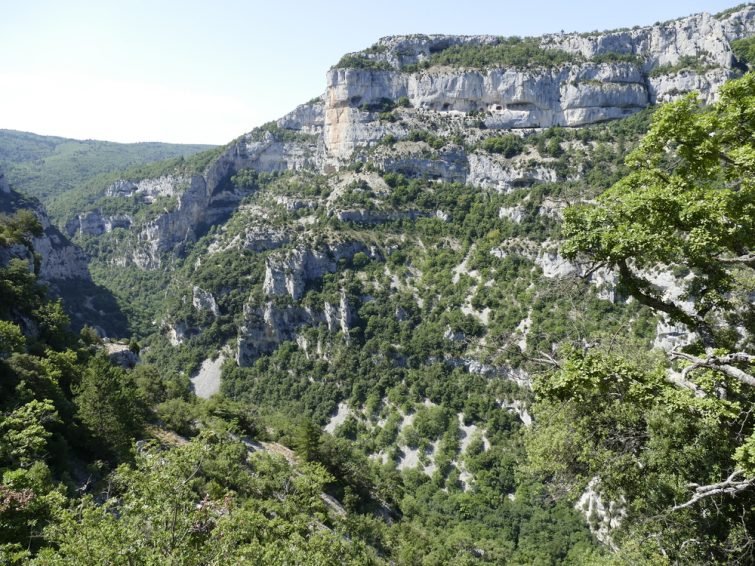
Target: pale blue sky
{"points": [[207, 71]]}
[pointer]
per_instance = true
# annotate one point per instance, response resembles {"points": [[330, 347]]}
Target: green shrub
{"points": [[508, 52], [508, 145], [357, 61]]}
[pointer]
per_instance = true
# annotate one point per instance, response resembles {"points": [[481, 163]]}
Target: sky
{"points": [[201, 71]]}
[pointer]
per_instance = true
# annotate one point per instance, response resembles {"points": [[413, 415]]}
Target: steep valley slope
{"points": [[385, 260], [392, 246]]}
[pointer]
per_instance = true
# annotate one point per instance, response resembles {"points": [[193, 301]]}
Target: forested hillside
{"points": [[48, 166], [487, 300]]}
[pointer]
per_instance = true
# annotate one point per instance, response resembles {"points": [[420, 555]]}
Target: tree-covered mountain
{"points": [[495, 293], [48, 166]]}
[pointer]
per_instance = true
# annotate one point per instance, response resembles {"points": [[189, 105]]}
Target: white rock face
{"points": [[173, 227], [60, 259], [668, 87], [149, 189], [339, 418], [264, 328], [569, 96], [306, 118], [667, 42], [121, 355], [699, 35], [520, 410], [204, 199], [450, 164], [739, 24], [94, 223], [602, 517], [362, 216], [288, 273], [670, 336], [554, 264], [338, 317], [177, 333], [572, 95], [495, 172], [206, 382], [204, 301]]}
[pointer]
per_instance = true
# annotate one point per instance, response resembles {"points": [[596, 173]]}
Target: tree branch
{"points": [[637, 288], [719, 363], [730, 486], [546, 359], [747, 259], [593, 268], [678, 379]]}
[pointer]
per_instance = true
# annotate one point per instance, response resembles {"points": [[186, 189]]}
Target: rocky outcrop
{"points": [[661, 44], [306, 118], [121, 354], [517, 375], [258, 239], [203, 301], [574, 94], [61, 260], [149, 189], [264, 328], [739, 23], [602, 517], [548, 258], [173, 227], [450, 164], [51, 254], [495, 172], [362, 216], [670, 336], [94, 223], [669, 86], [178, 332], [207, 198], [339, 316], [289, 272], [566, 96], [698, 36]]}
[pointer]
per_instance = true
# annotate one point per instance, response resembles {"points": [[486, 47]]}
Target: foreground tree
{"points": [[206, 501], [670, 436]]}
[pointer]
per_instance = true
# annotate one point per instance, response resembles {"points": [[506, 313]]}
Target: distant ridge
{"points": [[46, 166]]}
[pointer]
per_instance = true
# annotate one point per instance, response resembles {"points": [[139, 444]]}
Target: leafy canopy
{"points": [[670, 437]]}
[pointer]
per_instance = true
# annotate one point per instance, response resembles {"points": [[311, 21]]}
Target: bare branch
{"points": [[677, 379], [730, 486], [747, 259], [593, 268], [718, 363], [546, 359]]}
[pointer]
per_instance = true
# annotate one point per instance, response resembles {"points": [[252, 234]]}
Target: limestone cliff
{"points": [[63, 267], [57, 258], [663, 61], [608, 76]]}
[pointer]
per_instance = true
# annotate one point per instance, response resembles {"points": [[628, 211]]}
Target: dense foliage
{"points": [[671, 439], [521, 53], [357, 61]]}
